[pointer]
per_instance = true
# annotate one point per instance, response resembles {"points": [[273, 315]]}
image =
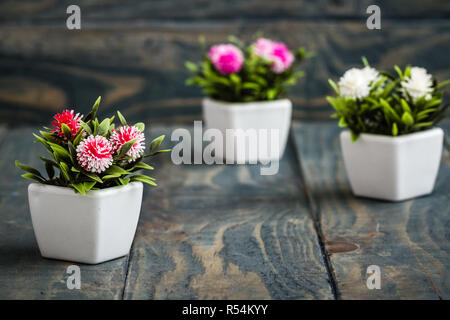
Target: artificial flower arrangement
{"points": [[392, 149], [87, 208], [92, 155], [246, 86]]}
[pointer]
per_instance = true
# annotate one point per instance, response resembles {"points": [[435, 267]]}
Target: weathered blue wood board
{"points": [[218, 232], [133, 52], [407, 240], [24, 274], [226, 232]]}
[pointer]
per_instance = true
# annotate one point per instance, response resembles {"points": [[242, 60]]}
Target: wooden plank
{"points": [[407, 240], [24, 274], [139, 67], [98, 10], [225, 232]]}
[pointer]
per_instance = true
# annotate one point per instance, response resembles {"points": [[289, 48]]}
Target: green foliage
{"points": [[254, 82], [388, 110], [63, 169]]}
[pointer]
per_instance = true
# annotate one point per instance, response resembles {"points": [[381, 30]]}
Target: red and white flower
{"points": [[70, 119], [125, 134], [94, 154]]}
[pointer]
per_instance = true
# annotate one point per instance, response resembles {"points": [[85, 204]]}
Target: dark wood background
{"points": [[132, 52]]}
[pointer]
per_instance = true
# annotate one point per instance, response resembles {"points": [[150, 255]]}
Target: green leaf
{"points": [[157, 152], [43, 141], [156, 143], [103, 127], [443, 84], [124, 181], [389, 109], [342, 122], [365, 62], [272, 94], [60, 151], [140, 126], [405, 106], [394, 129], [407, 118], [334, 86], [88, 185], [251, 85], [79, 187], [93, 111], [32, 177], [78, 137], [50, 170], [144, 179], [126, 147], [423, 124], [28, 168], [114, 170], [66, 130], [86, 127], [143, 165], [47, 136], [64, 170], [191, 66], [399, 71], [235, 78], [354, 136], [122, 119], [111, 176], [92, 176]]}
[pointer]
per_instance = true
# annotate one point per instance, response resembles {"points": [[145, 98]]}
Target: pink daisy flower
{"points": [[94, 154], [276, 52], [227, 58], [70, 119], [125, 134]]}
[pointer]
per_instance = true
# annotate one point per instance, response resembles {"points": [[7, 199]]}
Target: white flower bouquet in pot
{"points": [[87, 207], [245, 88], [393, 148]]}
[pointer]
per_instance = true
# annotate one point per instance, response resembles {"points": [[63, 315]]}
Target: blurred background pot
{"points": [[270, 116]]}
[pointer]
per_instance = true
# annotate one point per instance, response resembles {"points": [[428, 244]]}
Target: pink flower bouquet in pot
{"points": [[86, 208], [246, 87]]}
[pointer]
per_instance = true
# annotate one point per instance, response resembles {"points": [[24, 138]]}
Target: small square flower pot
{"points": [[94, 228], [261, 116], [393, 168]]}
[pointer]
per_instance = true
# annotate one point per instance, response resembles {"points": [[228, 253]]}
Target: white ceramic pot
{"points": [[94, 228], [273, 117], [393, 168]]}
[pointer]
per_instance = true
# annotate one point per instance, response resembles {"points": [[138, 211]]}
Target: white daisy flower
{"points": [[419, 84], [356, 83]]}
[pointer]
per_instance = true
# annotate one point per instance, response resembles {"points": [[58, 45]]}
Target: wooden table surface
{"points": [[226, 232]]}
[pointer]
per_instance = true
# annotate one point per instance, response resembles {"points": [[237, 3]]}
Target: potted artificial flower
{"points": [[392, 149], [245, 88], [87, 208]]}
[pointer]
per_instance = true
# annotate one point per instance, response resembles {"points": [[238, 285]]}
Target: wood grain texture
{"points": [[225, 232], [217, 232], [53, 10], [407, 240], [24, 274], [138, 67]]}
